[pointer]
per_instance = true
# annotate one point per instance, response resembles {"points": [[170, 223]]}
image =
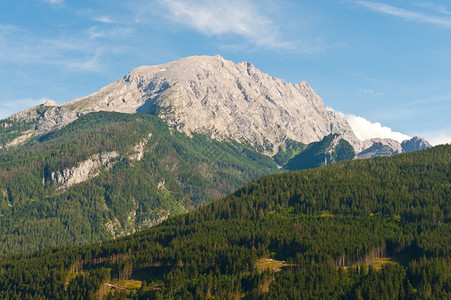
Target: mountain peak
{"points": [[214, 96], [415, 143], [50, 103], [183, 66]]}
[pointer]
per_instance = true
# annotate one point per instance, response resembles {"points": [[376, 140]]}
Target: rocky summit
{"points": [[214, 96]]}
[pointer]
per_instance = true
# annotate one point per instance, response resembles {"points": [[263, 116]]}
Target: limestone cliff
{"points": [[224, 100]]}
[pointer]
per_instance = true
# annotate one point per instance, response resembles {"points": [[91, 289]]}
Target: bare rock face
{"points": [[387, 147], [415, 143], [225, 100], [55, 117], [91, 167], [41, 118], [380, 147], [85, 170], [47, 116]]}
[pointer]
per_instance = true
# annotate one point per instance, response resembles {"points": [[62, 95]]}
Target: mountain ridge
{"points": [[216, 97]]}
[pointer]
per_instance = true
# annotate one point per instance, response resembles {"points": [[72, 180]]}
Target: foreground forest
{"points": [[365, 229]]}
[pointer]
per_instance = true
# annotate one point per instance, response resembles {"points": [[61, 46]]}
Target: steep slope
{"points": [[20, 127], [365, 229], [414, 144], [386, 147], [109, 174], [380, 147], [222, 99], [330, 149]]}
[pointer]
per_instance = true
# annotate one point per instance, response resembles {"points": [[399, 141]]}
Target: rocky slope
{"points": [[35, 120], [222, 99], [415, 143], [387, 147]]}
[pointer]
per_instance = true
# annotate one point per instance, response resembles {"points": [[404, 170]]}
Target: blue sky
{"points": [[375, 61]]}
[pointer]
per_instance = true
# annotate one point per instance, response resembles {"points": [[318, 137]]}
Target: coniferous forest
{"points": [[176, 173], [363, 229]]}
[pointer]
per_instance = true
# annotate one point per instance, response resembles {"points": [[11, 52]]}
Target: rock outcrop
{"points": [[387, 147], [415, 143], [41, 118], [91, 167], [379, 147], [85, 170], [47, 116]]}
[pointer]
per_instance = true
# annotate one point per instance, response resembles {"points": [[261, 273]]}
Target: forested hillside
{"points": [[367, 229], [332, 148], [110, 174]]}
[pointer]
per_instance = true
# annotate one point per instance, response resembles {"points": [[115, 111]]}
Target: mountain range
{"points": [[216, 97]]}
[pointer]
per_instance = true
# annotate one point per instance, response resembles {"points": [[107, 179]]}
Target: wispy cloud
{"points": [[105, 20], [439, 8], [371, 92], [441, 20], [53, 2], [23, 47], [234, 17], [89, 63], [119, 32]]}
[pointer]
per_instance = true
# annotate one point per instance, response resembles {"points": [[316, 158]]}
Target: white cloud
{"points": [[438, 137], [86, 64], [237, 17], [406, 14], [365, 129], [7, 108]]}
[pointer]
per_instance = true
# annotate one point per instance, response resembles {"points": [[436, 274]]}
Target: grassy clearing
{"points": [[123, 287], [272, 265], [376, 263]]}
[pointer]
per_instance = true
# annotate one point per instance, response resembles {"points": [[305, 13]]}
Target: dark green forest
{"points": [[177, 173], [319, 153], [365, 229]]}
